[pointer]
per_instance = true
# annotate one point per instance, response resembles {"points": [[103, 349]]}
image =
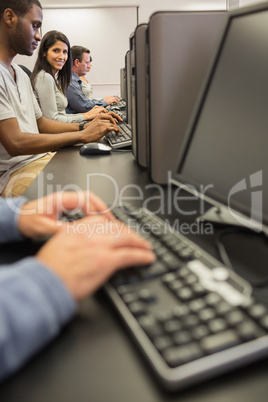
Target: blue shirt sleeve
{"points": [[34, 305], [77, 101], [9, 215]]}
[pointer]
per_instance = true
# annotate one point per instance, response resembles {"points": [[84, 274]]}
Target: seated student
{"points": [[77, 101], [26, 136], [51, 76], [38, 295], [86, 86]]}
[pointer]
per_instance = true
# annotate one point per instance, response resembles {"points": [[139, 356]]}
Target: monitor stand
{"points": [[222, 216]]}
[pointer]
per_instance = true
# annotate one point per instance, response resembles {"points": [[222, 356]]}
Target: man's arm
{"points": [[9, 217], [34, 305], [18, 143], [78, 102], [37, 294], [45, 89]]}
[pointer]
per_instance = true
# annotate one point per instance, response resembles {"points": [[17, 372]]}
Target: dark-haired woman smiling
{"points": [[51, 76]]}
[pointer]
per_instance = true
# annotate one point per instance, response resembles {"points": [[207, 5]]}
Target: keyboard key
{"points": [[163, 342], [182, 337], [235, 317], [181, 310], [154, 270], [147, 296], [197, 305], [150, 326], [248, 330], [207, 314], [130, 297], [264, 321], [137, 308], [185, 294], [164, 315], [223, 307], [221, 341], [200, 332], [190, 320], [176, 356], [217, 325], [172, 326], [257, 310], [171, 261], [176, 285]]}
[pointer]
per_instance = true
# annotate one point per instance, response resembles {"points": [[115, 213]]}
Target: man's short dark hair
{"points": [[78, 51], [19, 7]]}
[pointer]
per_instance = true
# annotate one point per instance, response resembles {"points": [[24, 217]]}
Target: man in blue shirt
{"points": [[39, 294], [77, 101]]}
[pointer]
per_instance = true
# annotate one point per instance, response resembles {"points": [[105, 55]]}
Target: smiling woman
{"points": [[56, 56], [98, 26], [51, 76]]}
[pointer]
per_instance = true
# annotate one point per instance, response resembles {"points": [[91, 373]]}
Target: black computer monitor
{"points": [[224, 157], [181, 46], [128, 66], [139, 122], [132, 70], [123, 85]]}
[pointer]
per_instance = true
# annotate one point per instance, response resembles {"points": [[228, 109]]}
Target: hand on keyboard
{"points": [[191, 317], [121, 139]]}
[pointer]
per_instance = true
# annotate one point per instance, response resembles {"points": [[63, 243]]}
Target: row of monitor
{"points": [[196, 92]]}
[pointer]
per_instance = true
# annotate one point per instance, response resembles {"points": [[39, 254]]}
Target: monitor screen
{"points": [[224, 157]]}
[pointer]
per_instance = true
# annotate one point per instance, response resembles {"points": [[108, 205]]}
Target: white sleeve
{"points": [[45, 89]]}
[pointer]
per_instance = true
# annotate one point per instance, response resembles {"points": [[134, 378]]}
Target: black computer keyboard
{"points": [[122, 114], [120, 139], [120, 105], [191, 317]]}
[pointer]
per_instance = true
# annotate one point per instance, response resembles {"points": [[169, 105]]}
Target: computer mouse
{"points": [[94, 148]]}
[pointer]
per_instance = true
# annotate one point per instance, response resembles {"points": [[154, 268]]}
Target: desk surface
{"points": [[109, 175], [94, 359]]}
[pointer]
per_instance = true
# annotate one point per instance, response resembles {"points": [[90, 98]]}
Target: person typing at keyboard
{"points": [[77, 100], [39, 294]]}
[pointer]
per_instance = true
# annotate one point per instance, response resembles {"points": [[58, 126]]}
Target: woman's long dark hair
{"points": [[64, 75]]}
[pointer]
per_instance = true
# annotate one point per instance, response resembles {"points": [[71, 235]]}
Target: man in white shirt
{"points": [[21, 120]]}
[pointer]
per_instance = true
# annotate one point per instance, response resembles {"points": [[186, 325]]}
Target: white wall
{"points": [[243, 3], [147, 7], [104, 26], [99, 30], [152, 4]]}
